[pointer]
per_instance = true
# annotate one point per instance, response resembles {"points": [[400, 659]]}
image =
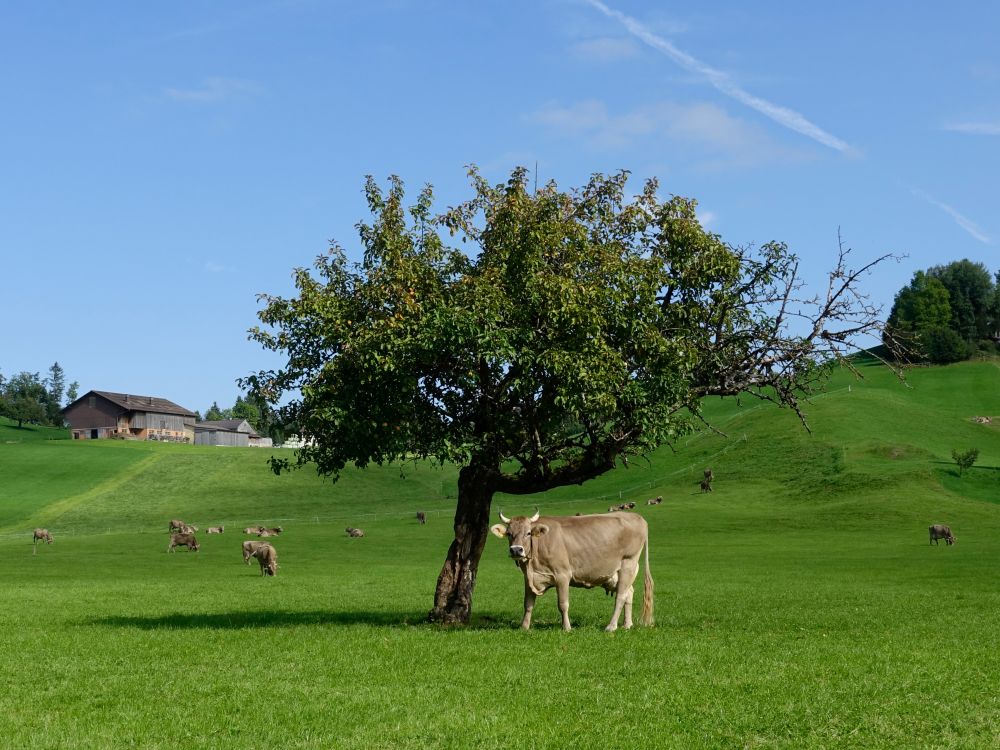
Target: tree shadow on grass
{"points": [[283, 619]]}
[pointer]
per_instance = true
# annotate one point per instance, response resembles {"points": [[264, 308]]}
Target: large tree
{"points": [[970, 291], [25, 398], [564, 333]]}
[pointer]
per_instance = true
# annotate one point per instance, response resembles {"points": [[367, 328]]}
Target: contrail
{"points": [[722, 82], [966, 224], [975, 128]]}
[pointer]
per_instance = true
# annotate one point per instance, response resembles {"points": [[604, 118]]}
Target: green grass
{"points": [[799, 605]]}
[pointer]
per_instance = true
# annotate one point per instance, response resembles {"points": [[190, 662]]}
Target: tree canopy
{"points": [[564, 332], [947, 312], [27, 397]]}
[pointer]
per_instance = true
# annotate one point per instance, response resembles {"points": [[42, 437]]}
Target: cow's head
{"points": [[519, 532]]}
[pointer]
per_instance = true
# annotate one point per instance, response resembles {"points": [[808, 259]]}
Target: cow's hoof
{"points": [[611, 628]]}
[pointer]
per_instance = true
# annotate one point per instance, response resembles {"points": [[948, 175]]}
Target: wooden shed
{"points": [[231, 432]]}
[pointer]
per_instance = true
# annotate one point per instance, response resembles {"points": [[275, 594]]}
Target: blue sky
{"points": [[163, 163]]}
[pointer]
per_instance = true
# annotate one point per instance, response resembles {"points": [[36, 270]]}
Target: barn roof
{"points": [[133, 402], [227, 425]]}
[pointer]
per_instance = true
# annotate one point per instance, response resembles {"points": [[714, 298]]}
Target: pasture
{"points": [[798, 605]]}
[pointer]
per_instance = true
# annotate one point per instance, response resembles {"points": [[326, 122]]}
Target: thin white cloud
{"points": [[721, 81], [214, 89], [710, 135], [967, 224], [974, 128], [706, 218], [606, 49]]}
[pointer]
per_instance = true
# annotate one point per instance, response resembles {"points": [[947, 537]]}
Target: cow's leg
{"points": [[627, 607], [529, 606], [562, 595], [623, 596]]}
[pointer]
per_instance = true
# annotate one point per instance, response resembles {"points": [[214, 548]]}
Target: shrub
{"points": [[965, 460]]}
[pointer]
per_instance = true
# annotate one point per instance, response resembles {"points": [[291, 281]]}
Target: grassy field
{"points": [[799, 605]]}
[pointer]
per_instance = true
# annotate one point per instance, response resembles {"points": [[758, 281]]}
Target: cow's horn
{"points": [[534, 517], [504, 518]]}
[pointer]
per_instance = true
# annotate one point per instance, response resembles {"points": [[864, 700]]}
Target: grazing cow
{"points": [[249, 547], [940, 531], [421, 517], [176, 525], [42, 535], [253, 529], [706, 485], [582, 551], [267, 556], [655, 500], [709, 476], [353, 532], [183, 539], [215, 529]]}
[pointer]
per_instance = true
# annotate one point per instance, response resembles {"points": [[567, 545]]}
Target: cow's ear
{"points": [[499, 530], [539, 529]]}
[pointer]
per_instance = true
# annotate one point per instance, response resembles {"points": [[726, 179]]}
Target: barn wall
{"points": [[150, 420], [221, 437], [96, 413]]}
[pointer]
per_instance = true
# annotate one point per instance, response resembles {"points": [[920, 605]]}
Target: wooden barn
{"points": [[102, 414], [231, 432]]}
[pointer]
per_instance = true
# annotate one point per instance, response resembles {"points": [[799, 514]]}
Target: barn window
{"points": [[92, 402]]}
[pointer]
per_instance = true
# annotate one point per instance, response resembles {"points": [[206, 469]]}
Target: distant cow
{"points": [[706, 485], [253, 529], [582, 551], [189, 529], [176, 525], [41, 535], [655, 500], [353, 532], [267, 556], [940, 531], [183, 539], [709, 476], [421, 517], [215, 529], [269, 532], [248, 549]]}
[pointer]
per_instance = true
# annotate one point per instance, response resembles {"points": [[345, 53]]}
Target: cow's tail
{"points": [[647, 592]]}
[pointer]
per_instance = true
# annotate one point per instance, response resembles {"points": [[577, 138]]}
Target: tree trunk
{"points": [[453, 596]]}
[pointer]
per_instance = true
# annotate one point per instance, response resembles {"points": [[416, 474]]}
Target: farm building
{"points": [[102, 414], [232, 432]]}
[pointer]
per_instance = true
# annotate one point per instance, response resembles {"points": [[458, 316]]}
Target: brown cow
{"points": [[263, 531], [582, 551], [215, 529], [249, 547], [706, 485], [42, 535], [655, 500], [940, 531], [175, 525], [253, 529], [353, 532], [421, 517], [189, 529], [183, 539], [267, 556]]}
